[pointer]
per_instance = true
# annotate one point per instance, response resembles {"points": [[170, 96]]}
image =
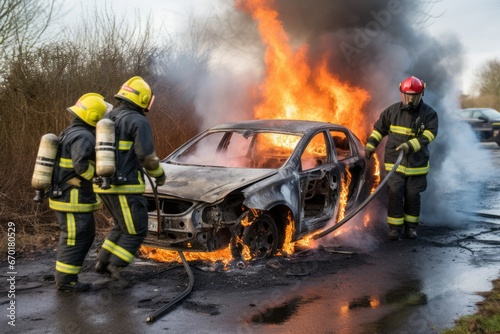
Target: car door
{"points": [[319, 176]]}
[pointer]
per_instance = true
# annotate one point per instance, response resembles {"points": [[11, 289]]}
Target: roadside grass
{"points": [[487, 318]]}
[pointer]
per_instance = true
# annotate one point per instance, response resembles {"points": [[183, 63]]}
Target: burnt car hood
{"points": [[207, 184]]}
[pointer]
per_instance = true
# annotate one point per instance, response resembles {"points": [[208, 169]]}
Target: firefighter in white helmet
{"points": [[71, 195], [123, 198], [411, 125]]}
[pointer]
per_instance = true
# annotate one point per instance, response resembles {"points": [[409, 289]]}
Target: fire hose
{"points": [[162, 310], [364, 203]]}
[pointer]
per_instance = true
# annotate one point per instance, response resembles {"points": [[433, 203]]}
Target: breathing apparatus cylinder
{"points": [[105, 151], [44, 166]]}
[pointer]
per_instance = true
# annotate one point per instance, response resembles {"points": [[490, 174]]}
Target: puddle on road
{"points": [[281, 313], [278, 314], [404, 298], [408, 294]]}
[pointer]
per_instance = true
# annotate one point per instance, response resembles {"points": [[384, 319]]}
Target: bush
{"points": [[39, 84]]}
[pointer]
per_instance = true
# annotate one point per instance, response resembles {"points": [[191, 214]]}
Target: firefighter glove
{"points": [[368, 153], [160, 180], [404, 147]]}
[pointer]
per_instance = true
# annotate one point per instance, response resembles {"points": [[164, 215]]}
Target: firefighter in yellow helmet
{"points": [[124, 199], [71, 196], [410, 125]]}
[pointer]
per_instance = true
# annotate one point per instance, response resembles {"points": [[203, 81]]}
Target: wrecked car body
{"points": [[254, 185]]}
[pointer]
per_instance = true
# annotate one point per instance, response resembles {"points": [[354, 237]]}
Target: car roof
{"points": [[298, 126]]}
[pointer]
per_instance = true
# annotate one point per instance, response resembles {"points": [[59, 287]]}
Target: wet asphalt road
{"points": [[407, 286]]}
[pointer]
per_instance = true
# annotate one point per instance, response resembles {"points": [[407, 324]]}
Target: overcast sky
{"points": [[475, 23]]}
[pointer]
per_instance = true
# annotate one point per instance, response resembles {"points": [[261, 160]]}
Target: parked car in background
{"points": [[251, 185], [484, 121]]}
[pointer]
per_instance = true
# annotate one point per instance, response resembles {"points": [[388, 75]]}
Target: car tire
{"points": [[255, 237]]}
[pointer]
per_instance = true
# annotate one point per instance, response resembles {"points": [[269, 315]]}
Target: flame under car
{"points": [[251, 185]]}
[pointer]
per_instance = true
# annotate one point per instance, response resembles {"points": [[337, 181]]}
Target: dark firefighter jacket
{"points": [[135, 145], [74, 169], [418, 128]]}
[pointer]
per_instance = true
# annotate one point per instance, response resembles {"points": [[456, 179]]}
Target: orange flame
{"points": [[294, 90], [163, 255], [344, 193], [288, 245], [366, 220], [376, 174]]}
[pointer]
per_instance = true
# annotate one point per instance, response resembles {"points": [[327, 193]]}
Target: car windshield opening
{"points": [[239, 150]]}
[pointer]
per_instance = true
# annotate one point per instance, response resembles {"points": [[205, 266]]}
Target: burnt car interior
{"points": [[241, 149], [342, 146]]}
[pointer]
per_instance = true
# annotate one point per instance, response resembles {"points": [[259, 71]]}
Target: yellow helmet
{"points": [[136, 91], [90, 108]]}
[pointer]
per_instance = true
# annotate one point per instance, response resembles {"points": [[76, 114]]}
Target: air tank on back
{"points": [[105, 151], [44, 166]]}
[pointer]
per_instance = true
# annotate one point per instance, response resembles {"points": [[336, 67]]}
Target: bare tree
{"points": [[488, 85], [488, 78], [23, 22]]}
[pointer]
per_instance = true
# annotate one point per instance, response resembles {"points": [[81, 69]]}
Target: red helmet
{"points": [[412, 90], [412, 85]]}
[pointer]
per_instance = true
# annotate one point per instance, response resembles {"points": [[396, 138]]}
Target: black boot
{"points": [[74, 286], [102, 268], [411, 233], [116, 275], [394, 233], [411, 230]]}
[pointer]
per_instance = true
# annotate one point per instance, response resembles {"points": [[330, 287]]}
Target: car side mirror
{"points": [[483, 118]]}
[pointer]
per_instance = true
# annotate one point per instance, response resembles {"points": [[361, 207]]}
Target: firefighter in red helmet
{"points": [[410, 126]]}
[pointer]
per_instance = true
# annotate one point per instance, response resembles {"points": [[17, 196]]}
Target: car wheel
{"points": [[255, 237]]}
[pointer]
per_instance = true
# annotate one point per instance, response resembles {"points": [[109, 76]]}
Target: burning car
{"points": [[256, 186]]}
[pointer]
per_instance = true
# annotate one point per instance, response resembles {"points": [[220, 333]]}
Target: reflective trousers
{"points": [[403, 207], [77, 236], [130, 217]]}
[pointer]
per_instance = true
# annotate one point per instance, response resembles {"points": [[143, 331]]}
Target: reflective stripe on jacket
{"points": [[74, 170], [418, 128]]}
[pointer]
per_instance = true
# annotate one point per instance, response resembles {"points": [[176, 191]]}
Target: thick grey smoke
{"points": [[376, 44], [372, 44]]}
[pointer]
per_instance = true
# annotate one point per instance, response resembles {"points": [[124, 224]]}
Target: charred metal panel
{"points": [[278, 125], [207, 184], [280, 189]]}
